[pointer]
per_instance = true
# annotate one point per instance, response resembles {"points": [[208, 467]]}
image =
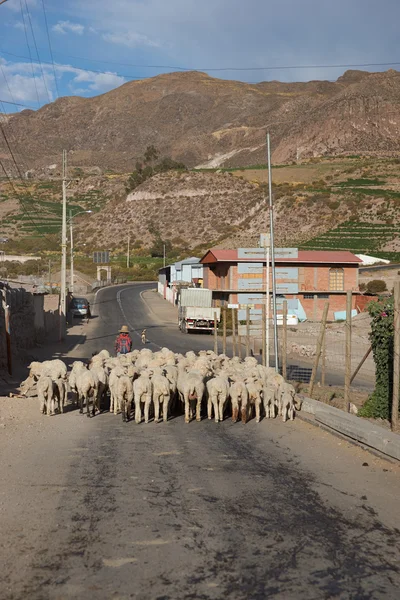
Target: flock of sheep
{"points": [[164, 380]]}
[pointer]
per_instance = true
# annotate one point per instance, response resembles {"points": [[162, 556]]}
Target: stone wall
{"points": [[30, 323]]}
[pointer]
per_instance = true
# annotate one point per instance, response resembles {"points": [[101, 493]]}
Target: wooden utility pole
{"points": [[50, 282], [63, 291], [284, 340], [239, 345], [7, 328], [264, 335], [224, 330], [319, 347], [347, 376], [233, 332], [128, 253], [247, 331], [215, 333], [396, 358], [323, 360]]}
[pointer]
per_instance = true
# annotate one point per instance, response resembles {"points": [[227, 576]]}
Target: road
{"points": [[94, 508]]}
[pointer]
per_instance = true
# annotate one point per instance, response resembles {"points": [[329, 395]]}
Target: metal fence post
{"points": [[396, 358], [319, 347], [247, 331], [284, 340], [215, 333], [347, 377], [233, 332]]}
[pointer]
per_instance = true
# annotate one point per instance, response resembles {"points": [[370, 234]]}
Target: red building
{"points": [[307, 279]]}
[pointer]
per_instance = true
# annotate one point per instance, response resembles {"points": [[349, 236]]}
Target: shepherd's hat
{"points": [[124, 329]]}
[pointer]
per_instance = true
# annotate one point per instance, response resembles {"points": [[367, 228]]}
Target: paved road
{"points": [[101, 510]]}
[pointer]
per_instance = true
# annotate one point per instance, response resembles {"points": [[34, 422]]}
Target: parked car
{"points": [[80, 307]]}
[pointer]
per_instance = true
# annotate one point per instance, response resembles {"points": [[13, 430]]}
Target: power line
{"points": [[17, 104], [29, 52], [50, 48], [36, 48]]}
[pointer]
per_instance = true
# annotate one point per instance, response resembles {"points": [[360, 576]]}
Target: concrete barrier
{"points": [[362, 431]]}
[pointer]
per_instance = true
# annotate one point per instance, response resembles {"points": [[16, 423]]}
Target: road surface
{"points": [[98, 509]]}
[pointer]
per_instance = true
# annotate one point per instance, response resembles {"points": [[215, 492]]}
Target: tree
{"points": [[376, 286], [151, 155]]}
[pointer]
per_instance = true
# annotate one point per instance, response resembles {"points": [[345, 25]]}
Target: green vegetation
{"points": [[376, 286], [379, 403], [147, 167], [358, 237]]}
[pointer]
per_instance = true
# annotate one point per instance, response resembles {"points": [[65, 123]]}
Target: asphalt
{"points": [[94, 508]]}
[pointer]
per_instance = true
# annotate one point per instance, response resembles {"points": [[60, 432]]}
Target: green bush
{"points": [[379, 404], [376, 286]]}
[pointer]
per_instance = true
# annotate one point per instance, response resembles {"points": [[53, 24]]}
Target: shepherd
{"points": [[123, 343]]}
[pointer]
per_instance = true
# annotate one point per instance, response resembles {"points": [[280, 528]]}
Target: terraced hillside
{"points": [[360, 238]]}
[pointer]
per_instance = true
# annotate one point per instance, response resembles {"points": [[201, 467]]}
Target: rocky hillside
{"points": [[200, 120]]}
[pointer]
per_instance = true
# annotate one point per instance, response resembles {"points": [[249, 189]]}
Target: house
{"points": [[307, 279], [188, 270]]}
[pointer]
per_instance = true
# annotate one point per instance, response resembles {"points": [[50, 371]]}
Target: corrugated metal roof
{"points": [[305, 256]]}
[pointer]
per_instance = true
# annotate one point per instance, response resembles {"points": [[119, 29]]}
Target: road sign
{"points": [[101, 257]]}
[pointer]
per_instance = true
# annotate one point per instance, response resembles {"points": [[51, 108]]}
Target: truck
{"points": [[197, 318]]}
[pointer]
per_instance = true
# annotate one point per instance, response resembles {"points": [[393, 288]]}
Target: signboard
{"points": [[265, 240], [250, 268], [233, 305], [250, 284], [287, 288], [286, 253], [101, 257], [257, 253], [244, 306]]}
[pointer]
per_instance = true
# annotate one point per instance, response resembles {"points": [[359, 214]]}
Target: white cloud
{"points": [[20, 86], [64, 27], [131, 39], [19, 25], [97, 82]]}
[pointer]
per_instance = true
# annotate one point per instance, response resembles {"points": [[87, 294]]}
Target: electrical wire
{"points": [[29, 52], [17, 104], [36, 48], [50, 48]]}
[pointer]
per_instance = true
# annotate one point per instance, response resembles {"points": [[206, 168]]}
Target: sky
{"points": [[97, 45]]}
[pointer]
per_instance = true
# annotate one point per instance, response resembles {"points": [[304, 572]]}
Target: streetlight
{"points": [[71, 223]]}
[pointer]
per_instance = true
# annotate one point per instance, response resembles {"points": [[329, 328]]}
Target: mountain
{"points": [[203, 121]]}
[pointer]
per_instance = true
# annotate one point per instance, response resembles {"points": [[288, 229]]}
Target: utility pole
{"points": [[127, 254], [164, 257], [71, 270], [271, 225], [63, 294], [50, 282], [7, 328]]}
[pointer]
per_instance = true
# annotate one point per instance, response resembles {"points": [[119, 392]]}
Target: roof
{"points": [[304, 256], [186, 261]]}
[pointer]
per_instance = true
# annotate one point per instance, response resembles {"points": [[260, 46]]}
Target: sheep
{"points": [[270, 399], [88, 384], [102, 378], [239, 395], [115, 374], [47, 390], [77, 367], [142, 392], [191, 388], [218, 392], [288, 402], [61, 393], [161, 394], [254, 389], [125, 396], [55, 369]]}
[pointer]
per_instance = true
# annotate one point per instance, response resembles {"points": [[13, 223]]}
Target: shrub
{"points": [[379, 403], [376, 286]]}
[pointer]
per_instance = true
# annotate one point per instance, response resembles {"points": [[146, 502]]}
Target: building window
{"points": [[323, 296], [336, 280], [308, 296]]}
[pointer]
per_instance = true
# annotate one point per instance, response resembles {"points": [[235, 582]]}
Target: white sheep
{"points": [[55, 369], [191, 388], [125, 396], [77, 366], [115, 374], [288, 402], [88, 385], [254, 389], [46, 389], [239, 397], [270, 399], [161, 394], [218, 393], [142, 392], [102, 388]]}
